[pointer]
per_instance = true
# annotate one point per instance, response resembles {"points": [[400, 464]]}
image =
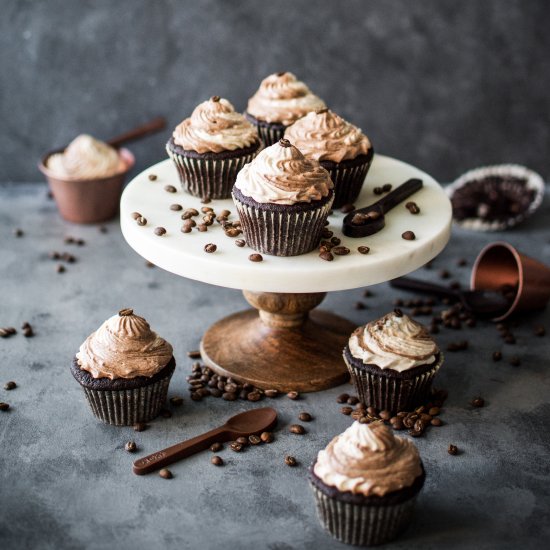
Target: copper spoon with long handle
{"points": [[252, 422], [155, 125]]}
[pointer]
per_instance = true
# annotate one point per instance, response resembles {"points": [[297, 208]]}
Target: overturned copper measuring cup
{"points": [[500, 265]]}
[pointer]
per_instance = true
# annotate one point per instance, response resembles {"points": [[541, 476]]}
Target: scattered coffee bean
{"points": [[497, 356], [510, 338], [210, 248], [255, 257], [254, 396], [515, 361], [452, 450], [206, 200], [444, 274], [377, 190], [242, 440], [217, 460], [194, 354], [305, 417], [152, 177], [352, 400], [10, 385], [141, 221], [373, 215], [412, 207], [293, 395], [254, 439], [140, 427], [436, 422], [346, 410], [434, 411], [458, 346], [176, 207], [386, 188], [347, 208], [297, 429], [202, 227], [28, 331], [235, 446], [539, 330], [267, 437], [135, 215], [216, 447], [170, 189], [384, 415], [4, 406], [363, 249], [18, 232], [60, 268], [290, 461], [342, 398], [165, 473], [359, 218], [327, 256], [240, 243], [160, 231], [360, 306], [478, 402], [6, 332], [176, 401], [130, 446], [408, 236], [227, 396], [271, 393]]}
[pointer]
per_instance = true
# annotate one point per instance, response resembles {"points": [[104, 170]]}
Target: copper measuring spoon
{"points": [[252, 422], [369, 220]]}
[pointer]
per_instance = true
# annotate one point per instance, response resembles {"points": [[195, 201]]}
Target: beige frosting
{"points": [[280, 174], [323, 135], [368, 459], [86, 158], [283, 99], [214, 126], [124, 346], [393, 342]]}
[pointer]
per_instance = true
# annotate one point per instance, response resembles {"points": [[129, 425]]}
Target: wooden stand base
{"points": [[282, 346]]}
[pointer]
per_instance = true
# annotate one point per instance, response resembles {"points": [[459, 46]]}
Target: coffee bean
{"points": [[7, 331], [165, 413], [293, 395], [60, 268], [271, 393], [103, 229], [210, 248], [235, 446], [141, 221], [165, 473], [478, 402], [347, 208], [242, 440], [254, 439], [436, 422], [4, 406], [140, 427], [363, 249], [408, 236], [341, 250], [160, 231], [452, 449], [130, 446], [386, 188], [216, 447], [539, 330], [327, 256], [176, 207], [408, 422], [152, 177], [194, 354], [372, 411], [305, 417], [18, 232], [510, 338], [352, 400], [10, 385], [342, 398], [359, 218], [206, 200], [254, 396], [335, 241], [229, 396], [255, 257], [374, 215], [290, 461], [412, 207], [497, 356], [217, 460], [267, 437], [434, 411], [215, 392], [385, 415], [135, 215], [240, 243], [297, 429], [176, 401], [170, 189], [377, 190], [398, 424], [346, 410], [149, 264]]}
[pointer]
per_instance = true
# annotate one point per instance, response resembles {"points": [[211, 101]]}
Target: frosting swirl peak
{"points": [[281, 174], [215, 126], [368, 459], [283, 99], [323, 135], [393, 342], [124, 346]]}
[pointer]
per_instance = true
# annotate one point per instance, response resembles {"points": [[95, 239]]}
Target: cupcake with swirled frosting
{"points": [[283, 200], [392, 362], [365, 484], [280, 101], [124, 368], [342, 148], [210, 147]]}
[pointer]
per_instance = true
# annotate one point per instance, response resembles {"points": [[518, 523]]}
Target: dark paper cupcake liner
{"points": [[269, 133], [209, 175], [348, 177], [130, 405], [385, 390], [281, 230]]}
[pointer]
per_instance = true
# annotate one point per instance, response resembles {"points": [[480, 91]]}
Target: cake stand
{"points": [[283, 343]]}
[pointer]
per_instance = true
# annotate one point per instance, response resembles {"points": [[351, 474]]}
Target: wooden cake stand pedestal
{"points": [[284, 343]]}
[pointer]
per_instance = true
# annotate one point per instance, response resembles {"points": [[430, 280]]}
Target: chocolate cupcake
{"points": [[365, 484], [283, 200], [280, 101], [339, 146], [392, 362], [125, 369], [210, 148]]}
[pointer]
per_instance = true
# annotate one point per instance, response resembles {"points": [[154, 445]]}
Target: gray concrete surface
{"points": [[442, 84], [66, 482]]}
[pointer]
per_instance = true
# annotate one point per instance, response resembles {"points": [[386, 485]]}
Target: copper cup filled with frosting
{"points": [[86, 179]]}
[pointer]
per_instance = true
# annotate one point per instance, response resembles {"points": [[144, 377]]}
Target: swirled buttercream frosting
{"points": [[368, 459], [323, 135], [280, 174], [124, 346], [215, 126], [393, 342], [283, 99], [86, 158]]}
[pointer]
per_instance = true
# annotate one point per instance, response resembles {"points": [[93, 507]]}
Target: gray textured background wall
{"points": [[443, 84]]}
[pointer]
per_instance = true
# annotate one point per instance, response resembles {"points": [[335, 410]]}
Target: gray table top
{"points": [[66, 481]]}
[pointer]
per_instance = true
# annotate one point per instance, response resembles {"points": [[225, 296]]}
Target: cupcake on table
{"points": [[125, 369], [392, 362], [283, 200], [280, 101], [365, 484], [342, 148], [210, 147]]}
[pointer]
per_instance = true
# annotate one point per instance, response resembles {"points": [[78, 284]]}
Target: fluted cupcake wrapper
{"points": [[348, 181], [362, 524], [207, 177], [281, 232], [127, 407], [392, 394]]}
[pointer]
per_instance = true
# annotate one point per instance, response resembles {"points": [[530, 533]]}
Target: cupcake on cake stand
{"points": [[284, 343]]}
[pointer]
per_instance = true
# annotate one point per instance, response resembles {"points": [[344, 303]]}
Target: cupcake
{"points": [[210, 148], [280, 101], [125, 369], [365, 484], [392, 362], [283, 200], [339, 146], [86, 179]]}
